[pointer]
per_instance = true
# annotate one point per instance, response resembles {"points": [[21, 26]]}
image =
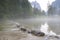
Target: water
{"points": [[35, 23]]}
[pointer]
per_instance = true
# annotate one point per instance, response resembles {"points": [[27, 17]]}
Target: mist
{"points": [[20, 13]]}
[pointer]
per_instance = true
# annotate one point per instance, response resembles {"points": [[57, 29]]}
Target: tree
{"points": [[14, 8], [51, 10]]}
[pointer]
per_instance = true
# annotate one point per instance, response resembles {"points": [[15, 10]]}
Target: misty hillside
{"points": [[56, 4]]}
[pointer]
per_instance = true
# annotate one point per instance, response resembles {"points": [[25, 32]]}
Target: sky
{"points": [[43, 3]]}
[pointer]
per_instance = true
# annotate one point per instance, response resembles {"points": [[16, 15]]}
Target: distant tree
{"points": [[51, 10], [37, 12], [43, 13]]}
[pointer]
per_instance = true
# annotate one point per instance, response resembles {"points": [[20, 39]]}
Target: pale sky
{"points": [[43, 3]]}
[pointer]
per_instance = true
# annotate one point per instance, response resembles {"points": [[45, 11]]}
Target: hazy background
{"points": [[30, 14]]}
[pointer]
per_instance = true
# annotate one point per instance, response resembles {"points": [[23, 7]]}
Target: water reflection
{"points": [[35, 24]]}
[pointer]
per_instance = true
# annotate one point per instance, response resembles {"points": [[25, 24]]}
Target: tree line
{"points": [[20, 9]]}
